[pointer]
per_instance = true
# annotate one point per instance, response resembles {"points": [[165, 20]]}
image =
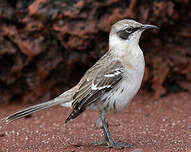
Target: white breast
{"points": [[122, 94]]}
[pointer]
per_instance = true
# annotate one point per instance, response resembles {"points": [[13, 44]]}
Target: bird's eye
{"points": [[129, 30], [124, 34]]}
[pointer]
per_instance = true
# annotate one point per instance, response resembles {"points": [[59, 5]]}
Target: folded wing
{"points": [[93, 87]]}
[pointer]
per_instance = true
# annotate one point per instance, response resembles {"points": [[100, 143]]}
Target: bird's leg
{"points": [[106, 133], [107, 136]]}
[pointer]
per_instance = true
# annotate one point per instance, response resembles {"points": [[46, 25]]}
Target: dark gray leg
{"points": [[107, 136]]}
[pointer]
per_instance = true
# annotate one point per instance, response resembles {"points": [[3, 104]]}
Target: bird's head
{"points": [[127, 32]]}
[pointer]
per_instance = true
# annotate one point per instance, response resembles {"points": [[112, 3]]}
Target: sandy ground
{"points": [[162, 125]]}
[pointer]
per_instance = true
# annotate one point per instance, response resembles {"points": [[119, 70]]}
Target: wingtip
{"points": [[67, 119]]}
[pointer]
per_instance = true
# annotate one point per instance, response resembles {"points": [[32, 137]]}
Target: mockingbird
{"points": [[110, 84]]}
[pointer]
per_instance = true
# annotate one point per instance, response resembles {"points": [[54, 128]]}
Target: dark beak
{"points": [[147, 26]]}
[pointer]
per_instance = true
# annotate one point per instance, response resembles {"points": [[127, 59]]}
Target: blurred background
{"points": [[47, 45]]}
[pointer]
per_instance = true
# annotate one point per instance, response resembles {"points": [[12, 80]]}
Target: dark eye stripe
{"points": [[131, 29], [124, 34]]}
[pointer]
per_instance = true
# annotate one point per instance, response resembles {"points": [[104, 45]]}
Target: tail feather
{"points": [[28, 111], [63, 98]]}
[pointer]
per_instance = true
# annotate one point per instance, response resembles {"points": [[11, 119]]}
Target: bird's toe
{"points": [[120, 145]]}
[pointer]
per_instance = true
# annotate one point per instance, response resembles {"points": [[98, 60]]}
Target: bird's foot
{"points": [[103, 142], [119, 145], [116, 145]]}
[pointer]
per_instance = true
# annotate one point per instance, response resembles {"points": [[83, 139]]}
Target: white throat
{"points": [[120, 47]]}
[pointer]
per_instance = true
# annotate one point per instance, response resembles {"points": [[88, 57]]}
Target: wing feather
{"points": [[94, 84]]}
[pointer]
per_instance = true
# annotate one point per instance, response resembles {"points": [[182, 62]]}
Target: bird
{"points": [[110, 84]]}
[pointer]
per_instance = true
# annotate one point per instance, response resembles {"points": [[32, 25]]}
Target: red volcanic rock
{"points": [[46, 46]]}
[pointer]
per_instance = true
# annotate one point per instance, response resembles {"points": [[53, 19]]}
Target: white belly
{"points": [[121, 95]]}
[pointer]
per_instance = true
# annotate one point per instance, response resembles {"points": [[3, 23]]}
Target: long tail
{"points": [[63, 98]]}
